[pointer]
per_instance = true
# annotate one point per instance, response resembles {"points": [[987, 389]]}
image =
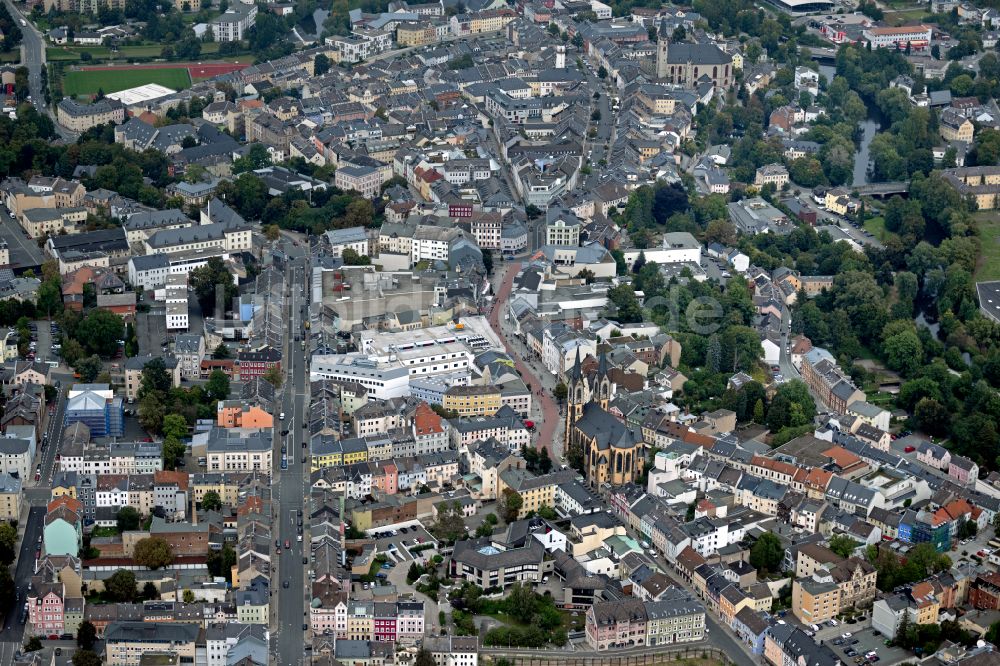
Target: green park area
{"points": [[988, 266], [89, 82]]}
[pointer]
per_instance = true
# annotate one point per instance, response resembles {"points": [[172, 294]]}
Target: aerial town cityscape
{"points": [[499, 333]]}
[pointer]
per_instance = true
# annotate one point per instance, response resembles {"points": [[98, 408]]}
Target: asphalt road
{"points": [[291, 484], [13, 630], [33, 56], [24, 252]]}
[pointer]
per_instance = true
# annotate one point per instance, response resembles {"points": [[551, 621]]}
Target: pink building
{"points": [[963, 470], [45, 608], [616, 624], [933, 455], [328, 610], [386, 477], [409, 621]]}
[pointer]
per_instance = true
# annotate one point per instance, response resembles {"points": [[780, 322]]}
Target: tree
{"points": [[217, 387], [8, 543], [450, 524], [792, 406], [509, 505], [352, 258], [213, 281], [86, 635], [153, 552], [843, 545], [151, 413], [211, 501], [273, 376], [173, 452], [86, 658], [149, 592], [360, 213], [7, 589], [904, 352], [767, 554], [175, 426], [272, 231], [627, 309], [602, 72], [33, 644], [128, 519], [256, 157], [222, 352], [88, 367], [100, 331], [560, 392], [424, 658], [221, 563], [120, 586], [188, 597], [321, 64]]}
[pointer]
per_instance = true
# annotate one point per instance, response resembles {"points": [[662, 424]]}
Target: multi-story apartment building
{"points": [[253, 364], [81, 117], [233, 24], [472, 400], [365, 180], [231, 450], [45, 607], [126, 642]]}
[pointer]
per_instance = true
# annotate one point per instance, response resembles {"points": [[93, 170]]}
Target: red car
{"points": [[909, 449], [286, 544]]}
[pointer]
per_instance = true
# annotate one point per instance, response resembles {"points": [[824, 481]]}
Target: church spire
{"points": [[602, 364], [577, 370]]}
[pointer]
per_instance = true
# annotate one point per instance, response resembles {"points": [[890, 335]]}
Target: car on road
{"points": [[305, 627], [846, 635], [281, 416], [284, 584], [287, 545]]}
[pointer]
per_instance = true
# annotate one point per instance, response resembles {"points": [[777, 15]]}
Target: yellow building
{"points": [[415, 34], [360, 621], [815, 600], [535, 491], [490, 20], [226, 486], [10, 497], [954, 127], [472, 400], [980, 182]]}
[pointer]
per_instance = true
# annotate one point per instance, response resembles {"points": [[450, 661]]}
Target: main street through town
{"points": [[290, 485], [33, 56]]}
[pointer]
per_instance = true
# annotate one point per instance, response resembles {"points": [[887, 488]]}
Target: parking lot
{"points": [[852, 650], [396, 547]]}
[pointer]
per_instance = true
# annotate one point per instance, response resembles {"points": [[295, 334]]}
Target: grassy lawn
{"points": [[988, 267], [105, 532], [876, 227], [905, 15], [88, 83]]}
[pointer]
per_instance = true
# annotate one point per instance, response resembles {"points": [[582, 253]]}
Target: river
{"points": [[869, 126]]}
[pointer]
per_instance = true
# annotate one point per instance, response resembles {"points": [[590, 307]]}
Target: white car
{"points": [[833, 623], [281, 416], [846, 635], [815, 627]]}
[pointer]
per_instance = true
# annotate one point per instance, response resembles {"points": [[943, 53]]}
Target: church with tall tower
{"points": [[612, 452]]}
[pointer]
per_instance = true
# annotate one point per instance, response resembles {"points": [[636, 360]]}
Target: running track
{"points": [[197, 71], [550, 413]]}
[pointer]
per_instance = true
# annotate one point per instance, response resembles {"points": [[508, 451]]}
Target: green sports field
{"points": [[89, 82]]}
